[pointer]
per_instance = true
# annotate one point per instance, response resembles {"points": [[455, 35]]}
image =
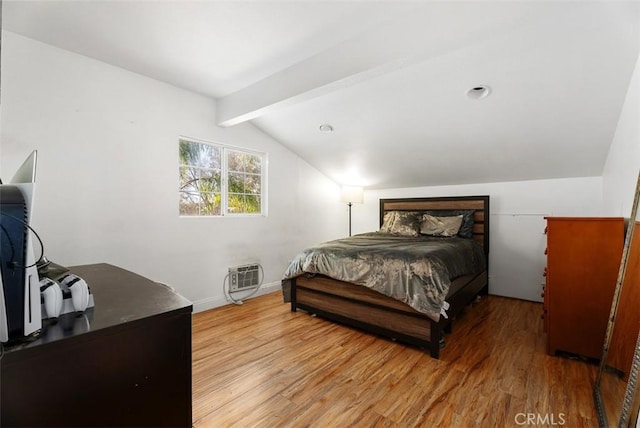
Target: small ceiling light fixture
{"points": [[479, 92], [326, 128]]}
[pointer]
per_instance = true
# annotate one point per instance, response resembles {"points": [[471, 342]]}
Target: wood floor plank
{"points": [[260, 365]]}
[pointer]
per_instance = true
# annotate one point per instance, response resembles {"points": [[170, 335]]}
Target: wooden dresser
{"points": [[124, 363], [583, 259]]}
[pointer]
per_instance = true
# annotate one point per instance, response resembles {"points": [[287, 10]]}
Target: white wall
{"points": [[623, 163], [107, 177], [517, 239]]}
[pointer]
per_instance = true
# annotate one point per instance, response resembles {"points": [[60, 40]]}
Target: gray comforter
{"points": [[417, 271]]}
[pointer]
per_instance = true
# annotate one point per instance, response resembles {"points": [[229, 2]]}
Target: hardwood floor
{"points": [[260, 365]]}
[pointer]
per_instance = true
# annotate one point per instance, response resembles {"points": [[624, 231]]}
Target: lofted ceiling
{"points": [[391, 78]]}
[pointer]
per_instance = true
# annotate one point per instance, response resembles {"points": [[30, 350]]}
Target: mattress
{"points": [[417, 271]]}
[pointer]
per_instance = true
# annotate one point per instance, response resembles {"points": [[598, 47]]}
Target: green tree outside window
{"points": [[202, 189]]}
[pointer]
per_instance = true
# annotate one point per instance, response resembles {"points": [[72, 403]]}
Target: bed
{"points": [[374, 303]]}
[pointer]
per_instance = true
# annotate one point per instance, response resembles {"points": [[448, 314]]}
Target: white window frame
{"points": [[224, 174]]}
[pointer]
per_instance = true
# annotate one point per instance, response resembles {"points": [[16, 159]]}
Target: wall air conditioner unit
{"points": [[245, 277]]}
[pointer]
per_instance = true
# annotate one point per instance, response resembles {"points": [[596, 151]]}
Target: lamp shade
{"points": [[352, 194]]}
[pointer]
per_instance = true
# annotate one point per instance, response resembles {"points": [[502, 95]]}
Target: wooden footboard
{"points": [[373, 312]]}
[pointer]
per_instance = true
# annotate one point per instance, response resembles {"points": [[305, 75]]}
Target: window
{"points": [[217, 180]]}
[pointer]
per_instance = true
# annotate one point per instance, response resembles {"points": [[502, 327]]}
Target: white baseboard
{"points": [[216, 302]]}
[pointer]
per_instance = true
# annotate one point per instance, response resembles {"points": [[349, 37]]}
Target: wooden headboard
{"points": [[480, 205]]}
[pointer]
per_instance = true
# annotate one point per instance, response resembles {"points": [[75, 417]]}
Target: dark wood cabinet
{"points": [[583, 259], [125, 362]]}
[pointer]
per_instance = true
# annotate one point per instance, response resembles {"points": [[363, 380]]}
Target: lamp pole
{"points": [[349, 217]]}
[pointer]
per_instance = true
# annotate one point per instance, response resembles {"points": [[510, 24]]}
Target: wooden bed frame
{"points": [[360, 307]]}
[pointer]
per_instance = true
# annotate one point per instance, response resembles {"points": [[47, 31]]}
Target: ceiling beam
{"points": [[417, 36]]}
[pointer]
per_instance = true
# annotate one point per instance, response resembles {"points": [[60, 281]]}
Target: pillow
{"points": [[468, 220], [403, 223], [440, 226], [387, 221]]}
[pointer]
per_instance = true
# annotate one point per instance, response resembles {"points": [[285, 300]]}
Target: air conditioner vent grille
{"points": [[245, 277]]}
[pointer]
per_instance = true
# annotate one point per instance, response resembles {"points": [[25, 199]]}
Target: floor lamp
{"points": [[351, 195]]}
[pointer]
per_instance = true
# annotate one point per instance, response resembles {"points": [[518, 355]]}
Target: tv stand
{"points": [[125, 362]]}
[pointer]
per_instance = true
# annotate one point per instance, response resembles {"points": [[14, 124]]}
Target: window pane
{"points": [[244, 204], [236, 182], [199, 154], [235, 203], [252, 184], [235, 161], [252, 164], [210, 204], [252, 204], [200, 203], [244, 188], [189, 203], [209, 181], [188, 179]]}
